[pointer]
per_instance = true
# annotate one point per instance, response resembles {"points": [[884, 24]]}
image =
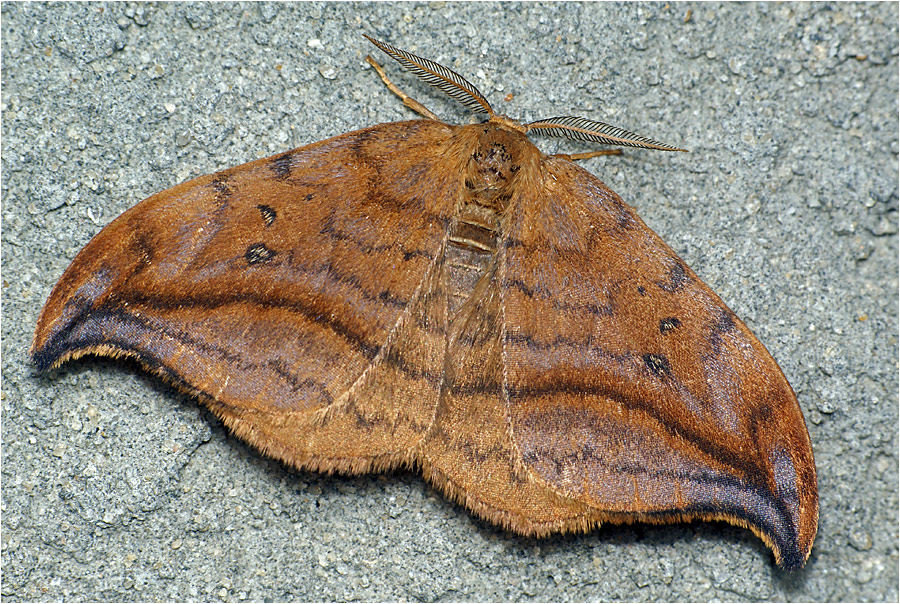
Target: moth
{"points": [[450, 299]]}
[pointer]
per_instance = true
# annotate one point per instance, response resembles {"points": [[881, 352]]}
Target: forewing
{"points": [[631, 386], [295, 294]]}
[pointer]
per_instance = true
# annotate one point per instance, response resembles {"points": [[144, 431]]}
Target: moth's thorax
{"points": [[495, 160], [497, 156], [498, 151]]}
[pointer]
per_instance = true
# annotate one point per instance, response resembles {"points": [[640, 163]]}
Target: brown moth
{"points": [[449, 298]]}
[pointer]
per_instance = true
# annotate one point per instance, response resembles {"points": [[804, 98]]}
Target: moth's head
{"points": [[500, 149], [509, 123]]}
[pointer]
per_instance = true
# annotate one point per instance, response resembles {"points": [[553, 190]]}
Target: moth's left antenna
{"points": [[583, 129]]}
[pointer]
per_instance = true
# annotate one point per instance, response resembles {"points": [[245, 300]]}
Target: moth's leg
{"points": [[407, 100], [588, 154]]}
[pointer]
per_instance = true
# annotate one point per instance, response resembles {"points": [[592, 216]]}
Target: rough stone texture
{"points": [[117, 488]]}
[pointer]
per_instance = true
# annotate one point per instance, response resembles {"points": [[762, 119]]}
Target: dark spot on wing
{"points": [[658, 364], [281, 165], [258, 252], [677, 277], [268, 214], [143, 249], [221, 188], [724, 324], [668, 324], [725, 321]]}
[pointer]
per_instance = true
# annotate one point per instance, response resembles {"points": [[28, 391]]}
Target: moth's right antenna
{"points": [[442, 78]]}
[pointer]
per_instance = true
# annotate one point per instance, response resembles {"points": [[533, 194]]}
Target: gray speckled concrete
{"points": [[115, 487]]}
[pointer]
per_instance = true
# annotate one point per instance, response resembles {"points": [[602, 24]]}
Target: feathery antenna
{"points": [[434, 74], [461, 90], [583, 129]]}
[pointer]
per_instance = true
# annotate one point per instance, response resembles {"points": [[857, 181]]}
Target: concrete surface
{"points": [[115, 487]]}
